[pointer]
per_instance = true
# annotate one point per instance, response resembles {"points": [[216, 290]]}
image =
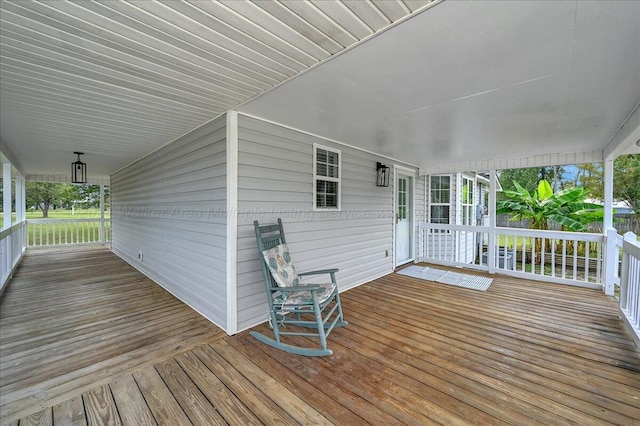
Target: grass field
{"points": [[70, 232], [68, 214], [63, 214]]}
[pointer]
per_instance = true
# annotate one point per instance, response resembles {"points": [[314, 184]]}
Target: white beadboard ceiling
{"points": [[119, 79], [431, 83]]}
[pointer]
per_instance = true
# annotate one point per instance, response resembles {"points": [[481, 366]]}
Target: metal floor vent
{"points": [[447, 277]]}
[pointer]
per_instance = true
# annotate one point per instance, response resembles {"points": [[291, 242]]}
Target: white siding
{"points": [[441, 246], [275, 180], [171, 207], [421, 208]]}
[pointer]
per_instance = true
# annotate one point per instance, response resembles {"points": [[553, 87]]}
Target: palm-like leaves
{"points": [[567, 207]]}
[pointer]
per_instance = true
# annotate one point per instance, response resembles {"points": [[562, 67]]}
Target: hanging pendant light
{"points": [[78, 170]]}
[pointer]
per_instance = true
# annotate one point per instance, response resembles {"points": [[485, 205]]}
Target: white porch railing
{"points": [[11, 250], [55, 232], [630, 285], [564, 257]]}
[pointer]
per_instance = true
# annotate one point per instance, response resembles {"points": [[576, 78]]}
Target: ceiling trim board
{"points": [[627, 136], [515, 162]]}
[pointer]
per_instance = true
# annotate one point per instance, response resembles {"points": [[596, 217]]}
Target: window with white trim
{"points": [[440, 199], [326, 178], [468, 210]]}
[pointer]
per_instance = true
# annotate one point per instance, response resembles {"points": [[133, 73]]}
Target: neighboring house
{"points": [[184, 214], [620, 207]]}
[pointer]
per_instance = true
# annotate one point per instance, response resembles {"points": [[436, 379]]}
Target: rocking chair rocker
{"points": [[292, 302]]}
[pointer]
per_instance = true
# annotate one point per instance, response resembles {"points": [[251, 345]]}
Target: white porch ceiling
{"points": [[460, 81], [119, 79], [472, 82]]}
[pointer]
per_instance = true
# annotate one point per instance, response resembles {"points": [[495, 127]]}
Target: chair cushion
{"points": [[305, 297], [279, 263]]}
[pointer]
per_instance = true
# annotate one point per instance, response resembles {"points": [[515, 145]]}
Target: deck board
{"points": [[132, 407], [70, 412], [414, 352], [100, 407]]}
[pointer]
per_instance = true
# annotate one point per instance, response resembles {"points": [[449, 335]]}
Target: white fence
{"points": [[564, 257], [630, 285], [11, 250], [56, 232]]}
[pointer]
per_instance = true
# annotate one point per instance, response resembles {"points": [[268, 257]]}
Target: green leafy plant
{"points": [[567, 208]]}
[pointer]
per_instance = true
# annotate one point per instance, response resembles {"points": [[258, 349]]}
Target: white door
{"points": [[404, 218]]}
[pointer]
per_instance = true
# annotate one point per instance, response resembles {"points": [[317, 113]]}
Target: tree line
{"points": [[45, 195], [626, 179]]}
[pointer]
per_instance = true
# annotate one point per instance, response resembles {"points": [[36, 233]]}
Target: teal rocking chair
{"points": [[309, 309]]}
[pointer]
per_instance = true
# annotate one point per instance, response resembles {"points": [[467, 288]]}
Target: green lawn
{"points": [[67, 214], [62, 214]]}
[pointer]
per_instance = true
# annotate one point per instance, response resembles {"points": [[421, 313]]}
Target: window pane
{"points": [[440, 182], [434, 182], [332, 158], [445, 182], [327, 166], [440, 214], [467, 191], [440, 186], [326, 194], [440, 196], [327, 163]]}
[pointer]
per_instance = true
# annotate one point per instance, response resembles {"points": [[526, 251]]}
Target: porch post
{"points": [[6, 192], [102, 214], [21, 208], [610, 234], [608, 195], [491, 256], [20, 196]]}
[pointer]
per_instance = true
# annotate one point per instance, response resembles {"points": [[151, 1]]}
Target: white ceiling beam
{"points": [[515, 162], [627, 138], [65, 178]]}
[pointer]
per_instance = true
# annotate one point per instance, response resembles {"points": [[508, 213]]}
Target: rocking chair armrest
{"points": [[322, 271], [297, 288]]}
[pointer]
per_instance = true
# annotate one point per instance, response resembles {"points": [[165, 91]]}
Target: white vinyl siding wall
{"points": [[275, 179], [171, 206]]}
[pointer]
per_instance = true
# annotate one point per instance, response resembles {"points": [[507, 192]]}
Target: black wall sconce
{"points": [[382, 175], [79, 170]]}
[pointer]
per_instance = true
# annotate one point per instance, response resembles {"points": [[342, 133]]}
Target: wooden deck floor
{"points": [[415, 352], [73, 318]]}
